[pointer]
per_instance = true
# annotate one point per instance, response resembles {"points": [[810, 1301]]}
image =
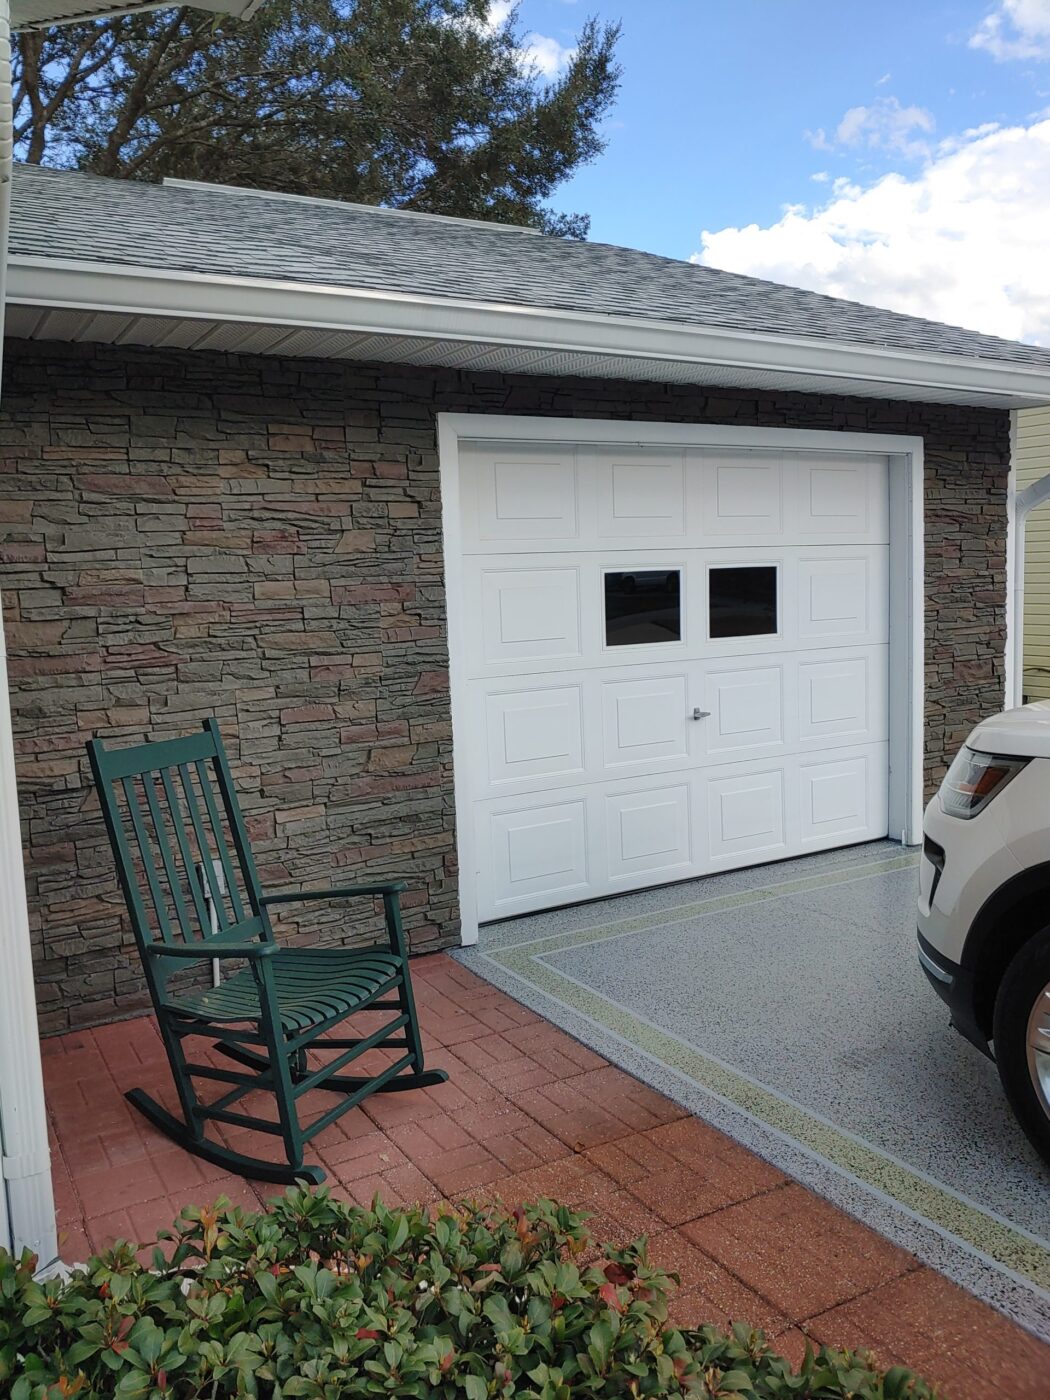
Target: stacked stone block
{"points": [[190, 533]]}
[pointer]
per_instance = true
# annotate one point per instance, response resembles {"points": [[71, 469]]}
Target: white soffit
{"points": [[103, 303], [42, 14]]}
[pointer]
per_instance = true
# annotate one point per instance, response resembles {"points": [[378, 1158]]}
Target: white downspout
{"points": [[27, 1207], [1034, 494]]}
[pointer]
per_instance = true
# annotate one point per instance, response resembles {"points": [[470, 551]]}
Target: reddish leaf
{"points": [[608, 1294], [364, 1334], [616, 1273]]}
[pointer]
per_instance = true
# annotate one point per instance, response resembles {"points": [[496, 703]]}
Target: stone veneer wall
{"points": [[260, 538]]}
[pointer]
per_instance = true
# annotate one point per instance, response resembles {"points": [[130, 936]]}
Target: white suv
{"points": [[984, 903]]}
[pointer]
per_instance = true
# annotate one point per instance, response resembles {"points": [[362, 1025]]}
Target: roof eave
{"points": [[150, 292]]}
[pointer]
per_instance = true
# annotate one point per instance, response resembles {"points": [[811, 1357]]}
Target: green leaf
{"points": [[397, 1233], [737, 1382], [498, 1313], [148, 1340]]}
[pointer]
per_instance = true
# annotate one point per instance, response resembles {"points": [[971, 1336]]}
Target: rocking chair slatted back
{"points": [[173, 818]]}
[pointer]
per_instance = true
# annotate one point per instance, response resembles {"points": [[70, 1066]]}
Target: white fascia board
{"points": [[109, 287]]}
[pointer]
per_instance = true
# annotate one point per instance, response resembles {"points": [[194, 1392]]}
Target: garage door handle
{"points": [[698, 713]]}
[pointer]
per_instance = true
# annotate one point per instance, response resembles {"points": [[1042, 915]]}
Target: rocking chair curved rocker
{"points": [[172, 815]]}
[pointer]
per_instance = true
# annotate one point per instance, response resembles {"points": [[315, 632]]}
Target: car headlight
{"points": [[974, 779]]}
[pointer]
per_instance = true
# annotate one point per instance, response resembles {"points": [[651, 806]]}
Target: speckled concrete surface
{"points": [[785, 1005]]}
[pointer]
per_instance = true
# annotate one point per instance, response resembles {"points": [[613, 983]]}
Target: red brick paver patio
{"points": [[529, 1112]]}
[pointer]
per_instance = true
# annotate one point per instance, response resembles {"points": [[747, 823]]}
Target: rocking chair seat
{"points": [[313, 985]]}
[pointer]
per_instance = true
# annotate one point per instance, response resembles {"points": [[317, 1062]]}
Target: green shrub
{"points": [[320, 1299]]}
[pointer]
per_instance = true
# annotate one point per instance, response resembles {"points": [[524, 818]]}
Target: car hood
{"points": [[1022, 733]]}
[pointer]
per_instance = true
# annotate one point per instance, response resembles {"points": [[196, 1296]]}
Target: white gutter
{"points": [[61, 284], [27, 1208]]}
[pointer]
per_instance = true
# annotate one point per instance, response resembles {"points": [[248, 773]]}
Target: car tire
{"points": [[1022, 1004]]}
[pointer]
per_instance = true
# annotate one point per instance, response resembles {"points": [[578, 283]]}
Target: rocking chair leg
{"points": [[254, 1167], [395, 928]]}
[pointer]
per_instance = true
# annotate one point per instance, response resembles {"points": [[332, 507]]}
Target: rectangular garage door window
{"points": [[742, 602], [643, 606]]}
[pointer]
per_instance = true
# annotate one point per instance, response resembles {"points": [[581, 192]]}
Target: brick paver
{"points": [[530, 1112]]}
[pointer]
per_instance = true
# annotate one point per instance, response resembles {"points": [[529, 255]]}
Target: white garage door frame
{"points": [[906, 590]]}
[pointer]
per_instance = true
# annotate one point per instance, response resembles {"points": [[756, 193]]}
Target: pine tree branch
{"points": [[137, 94]]}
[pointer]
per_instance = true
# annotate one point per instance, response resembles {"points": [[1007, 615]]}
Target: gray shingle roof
{"points": [[222, 231]]}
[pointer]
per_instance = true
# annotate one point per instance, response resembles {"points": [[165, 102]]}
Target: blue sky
{"points": [[730, 108]]}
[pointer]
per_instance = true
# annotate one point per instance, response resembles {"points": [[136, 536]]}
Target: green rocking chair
{"points": [[172, 815]]}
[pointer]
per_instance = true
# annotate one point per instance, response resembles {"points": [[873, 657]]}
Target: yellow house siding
{"points": [[1032, 460]]}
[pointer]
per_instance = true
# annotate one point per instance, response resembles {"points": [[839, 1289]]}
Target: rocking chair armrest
{"points": [[338, 892], [213, 948]]}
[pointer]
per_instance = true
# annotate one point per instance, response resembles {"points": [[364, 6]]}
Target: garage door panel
{"points": [[537, 855], [641, 497], [843, 698], [742, 496], [843, 799], [839, 500], [842, 598], [534, 734], [515, 499], [645, 720], [529, 614], [746, 816], [649, 834], [747, 712]]}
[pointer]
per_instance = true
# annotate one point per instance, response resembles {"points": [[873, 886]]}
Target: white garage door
{"points": [[675, 662]]}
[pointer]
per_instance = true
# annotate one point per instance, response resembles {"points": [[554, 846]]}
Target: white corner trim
{"points": [[53, 283], [452, 552], [25, 1165], [907, 649]]}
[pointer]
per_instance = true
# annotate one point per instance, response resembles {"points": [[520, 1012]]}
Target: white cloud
{"points": [[1015, 29], [540, 53], [546, 55], [963, 240], [883, 125]]}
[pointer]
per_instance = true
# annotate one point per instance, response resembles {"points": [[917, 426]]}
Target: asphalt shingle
{"points": [[224, 231]]}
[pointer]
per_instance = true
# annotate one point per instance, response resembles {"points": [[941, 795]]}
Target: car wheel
{"points": [[1021, 1029]]}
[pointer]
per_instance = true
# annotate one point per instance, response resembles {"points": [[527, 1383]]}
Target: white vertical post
{"points": [[27, 1208], [25, 1165]]}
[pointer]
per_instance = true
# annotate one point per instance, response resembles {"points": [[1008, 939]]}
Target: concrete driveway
{"points": [[784, 1004]]}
